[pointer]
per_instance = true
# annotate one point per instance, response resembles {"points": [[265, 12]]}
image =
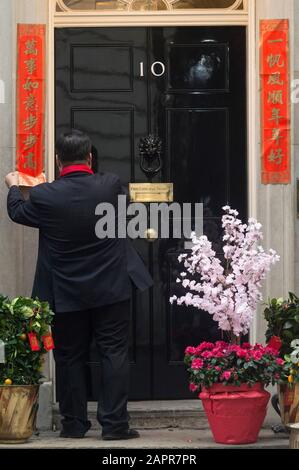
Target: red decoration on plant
{"points": [[34, 344], [275, 343], [48, 342]]}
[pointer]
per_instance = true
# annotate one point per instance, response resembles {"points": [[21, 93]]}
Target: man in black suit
{"points": [[87, 281]]}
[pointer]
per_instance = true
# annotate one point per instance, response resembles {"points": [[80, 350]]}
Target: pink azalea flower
{"points": [[207, 354], [257, 355], [205, 345], [280, 361], [226, 375], [219, 354], [190, 351], [242, 354], [221, 344], [192, 387], [197, 364]]}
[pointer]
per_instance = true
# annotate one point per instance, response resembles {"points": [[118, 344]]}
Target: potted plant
{"points": [[230, 378], [291, 408], [282, 316], [24, 339]]}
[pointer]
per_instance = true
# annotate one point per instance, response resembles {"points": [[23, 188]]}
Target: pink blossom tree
{"points": [[229, 292]]}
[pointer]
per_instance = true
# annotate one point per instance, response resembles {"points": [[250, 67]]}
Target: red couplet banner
{"points": [[30, 104], [275, 102]]}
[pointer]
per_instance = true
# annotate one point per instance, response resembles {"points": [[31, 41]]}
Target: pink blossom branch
{"points": [[231, 295]]}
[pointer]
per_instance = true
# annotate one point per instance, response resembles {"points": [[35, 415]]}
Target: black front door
{"points": [[188, 86]]}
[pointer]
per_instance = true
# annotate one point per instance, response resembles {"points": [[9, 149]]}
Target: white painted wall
{"points": [[296, 138], [10, 237]]}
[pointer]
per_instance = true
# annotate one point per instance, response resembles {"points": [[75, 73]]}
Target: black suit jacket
{"points": [[75, 269]]}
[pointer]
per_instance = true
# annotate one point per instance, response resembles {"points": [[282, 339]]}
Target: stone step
{"points": [[181, 414]]}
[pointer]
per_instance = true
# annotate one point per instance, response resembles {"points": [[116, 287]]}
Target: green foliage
{"points": [[283, 321], [292, 362], [18, 317]]}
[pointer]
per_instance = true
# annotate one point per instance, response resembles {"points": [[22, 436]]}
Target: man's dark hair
{"points": [[74, 146]]}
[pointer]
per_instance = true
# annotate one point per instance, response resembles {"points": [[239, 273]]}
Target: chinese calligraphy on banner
{"points": [[275, 104], [30, 104]]}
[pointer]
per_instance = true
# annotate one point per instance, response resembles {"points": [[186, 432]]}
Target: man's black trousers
{"points": [[73, 333]]}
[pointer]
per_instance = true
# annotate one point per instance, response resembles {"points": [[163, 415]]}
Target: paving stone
{"points": [[150, 439]]}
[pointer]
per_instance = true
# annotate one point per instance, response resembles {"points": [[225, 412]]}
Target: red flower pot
{"points": [[235, 414]]}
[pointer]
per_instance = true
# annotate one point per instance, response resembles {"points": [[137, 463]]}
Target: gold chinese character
{"points": [[29, 85], [30, 122], [276, 116], [275, 60], [30, 65], [30, 163], [276, 136], [275, 97], [275, 79], [30, 102], [273, 41], [30, 141], [276, 156], [31, 47]]}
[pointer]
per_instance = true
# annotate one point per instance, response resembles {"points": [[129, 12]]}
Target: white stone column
{"points": [[276, 203]]}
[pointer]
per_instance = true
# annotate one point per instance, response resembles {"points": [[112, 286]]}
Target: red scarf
{"points": [[72, 168]]}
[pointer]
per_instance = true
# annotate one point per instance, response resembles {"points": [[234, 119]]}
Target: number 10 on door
{"points": [[157, 69]]}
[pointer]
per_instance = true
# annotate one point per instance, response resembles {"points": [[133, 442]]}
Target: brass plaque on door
{"points": [[151, 192]]}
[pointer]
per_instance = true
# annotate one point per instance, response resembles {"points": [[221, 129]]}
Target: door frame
{"points": [[199, 17]]}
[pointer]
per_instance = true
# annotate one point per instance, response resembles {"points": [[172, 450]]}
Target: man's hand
{"points": [[12, 179]]}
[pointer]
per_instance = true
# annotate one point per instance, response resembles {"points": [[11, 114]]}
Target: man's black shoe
{"points": [[117, 436], [78, 435], [75, 434]]}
